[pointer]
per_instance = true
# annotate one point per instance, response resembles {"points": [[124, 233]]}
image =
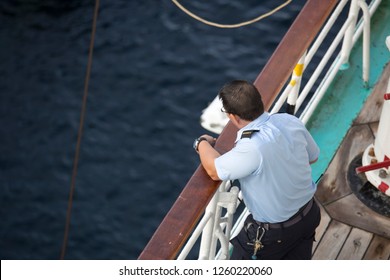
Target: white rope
{"points": [[176, 2]]}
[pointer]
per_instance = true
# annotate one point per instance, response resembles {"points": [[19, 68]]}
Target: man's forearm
{"points": [[207, 157]]}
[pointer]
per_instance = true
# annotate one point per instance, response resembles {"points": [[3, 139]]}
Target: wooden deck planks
{"points": [[339, 241], [332, 241], [321, 229], [356, 245], [351, 211], [379, 249]]}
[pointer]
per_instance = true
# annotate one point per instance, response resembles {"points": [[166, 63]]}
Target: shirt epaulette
{"points": [[248, 133]]}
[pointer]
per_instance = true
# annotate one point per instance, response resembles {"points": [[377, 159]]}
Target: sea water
{"points": [[154, 70]]}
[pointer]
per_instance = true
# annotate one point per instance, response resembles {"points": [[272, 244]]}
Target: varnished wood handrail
{"points": [[178, 224]]}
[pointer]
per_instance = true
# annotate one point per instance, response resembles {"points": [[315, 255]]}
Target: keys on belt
{"points": [[256, 242]]}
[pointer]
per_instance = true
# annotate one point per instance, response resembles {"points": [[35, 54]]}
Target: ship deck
{"points": [[350, 230]]}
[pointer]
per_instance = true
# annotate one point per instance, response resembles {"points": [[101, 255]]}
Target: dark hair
{"points": [[242, 99]]}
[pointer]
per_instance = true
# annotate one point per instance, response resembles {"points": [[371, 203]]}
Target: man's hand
{"points": [[207, 155], [210, 139]]}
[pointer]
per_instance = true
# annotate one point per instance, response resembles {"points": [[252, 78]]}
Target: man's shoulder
{"points": [[284, 118]]}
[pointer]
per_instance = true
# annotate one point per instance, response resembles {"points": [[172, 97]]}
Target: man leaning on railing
{"points": [[271, 159]]}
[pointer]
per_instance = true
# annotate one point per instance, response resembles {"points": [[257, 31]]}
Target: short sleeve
{"points": [[241, 161]]}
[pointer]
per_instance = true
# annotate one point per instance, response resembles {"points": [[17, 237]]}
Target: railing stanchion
{"points": [[348, 38]]}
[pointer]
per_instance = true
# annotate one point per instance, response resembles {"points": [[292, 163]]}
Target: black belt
{"points": [[292, 221]]}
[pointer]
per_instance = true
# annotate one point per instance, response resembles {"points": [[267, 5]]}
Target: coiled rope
{"points": [[80, 131], [230, 25]]}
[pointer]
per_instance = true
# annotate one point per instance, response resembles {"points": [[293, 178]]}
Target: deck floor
{"points": [[349, 230]]}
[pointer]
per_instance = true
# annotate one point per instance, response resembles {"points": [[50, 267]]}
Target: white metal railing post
{"points": [[218, 228], [348, 38], [317, 72], [313, 49], [339, 64], [366, 40], [295, 84], [228, 200], [208, 231]]}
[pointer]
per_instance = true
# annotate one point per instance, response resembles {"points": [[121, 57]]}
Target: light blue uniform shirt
{"points": [[272, 166]]}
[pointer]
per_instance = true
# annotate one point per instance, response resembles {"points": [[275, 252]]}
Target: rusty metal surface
{"points": [[178, 224]]}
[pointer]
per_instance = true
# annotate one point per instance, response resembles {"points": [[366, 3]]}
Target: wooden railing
{"points": [[178, 224]]}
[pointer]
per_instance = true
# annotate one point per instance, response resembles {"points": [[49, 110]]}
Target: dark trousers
{"points": [[287, 243]]}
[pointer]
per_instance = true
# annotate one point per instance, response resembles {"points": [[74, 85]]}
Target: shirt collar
{"points": [[255, 124]]}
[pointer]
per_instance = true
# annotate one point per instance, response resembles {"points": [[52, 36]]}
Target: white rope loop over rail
{"points": [[176, 2]]}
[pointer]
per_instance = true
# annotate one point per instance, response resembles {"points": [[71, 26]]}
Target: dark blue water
{"points": [[154, 71]]}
